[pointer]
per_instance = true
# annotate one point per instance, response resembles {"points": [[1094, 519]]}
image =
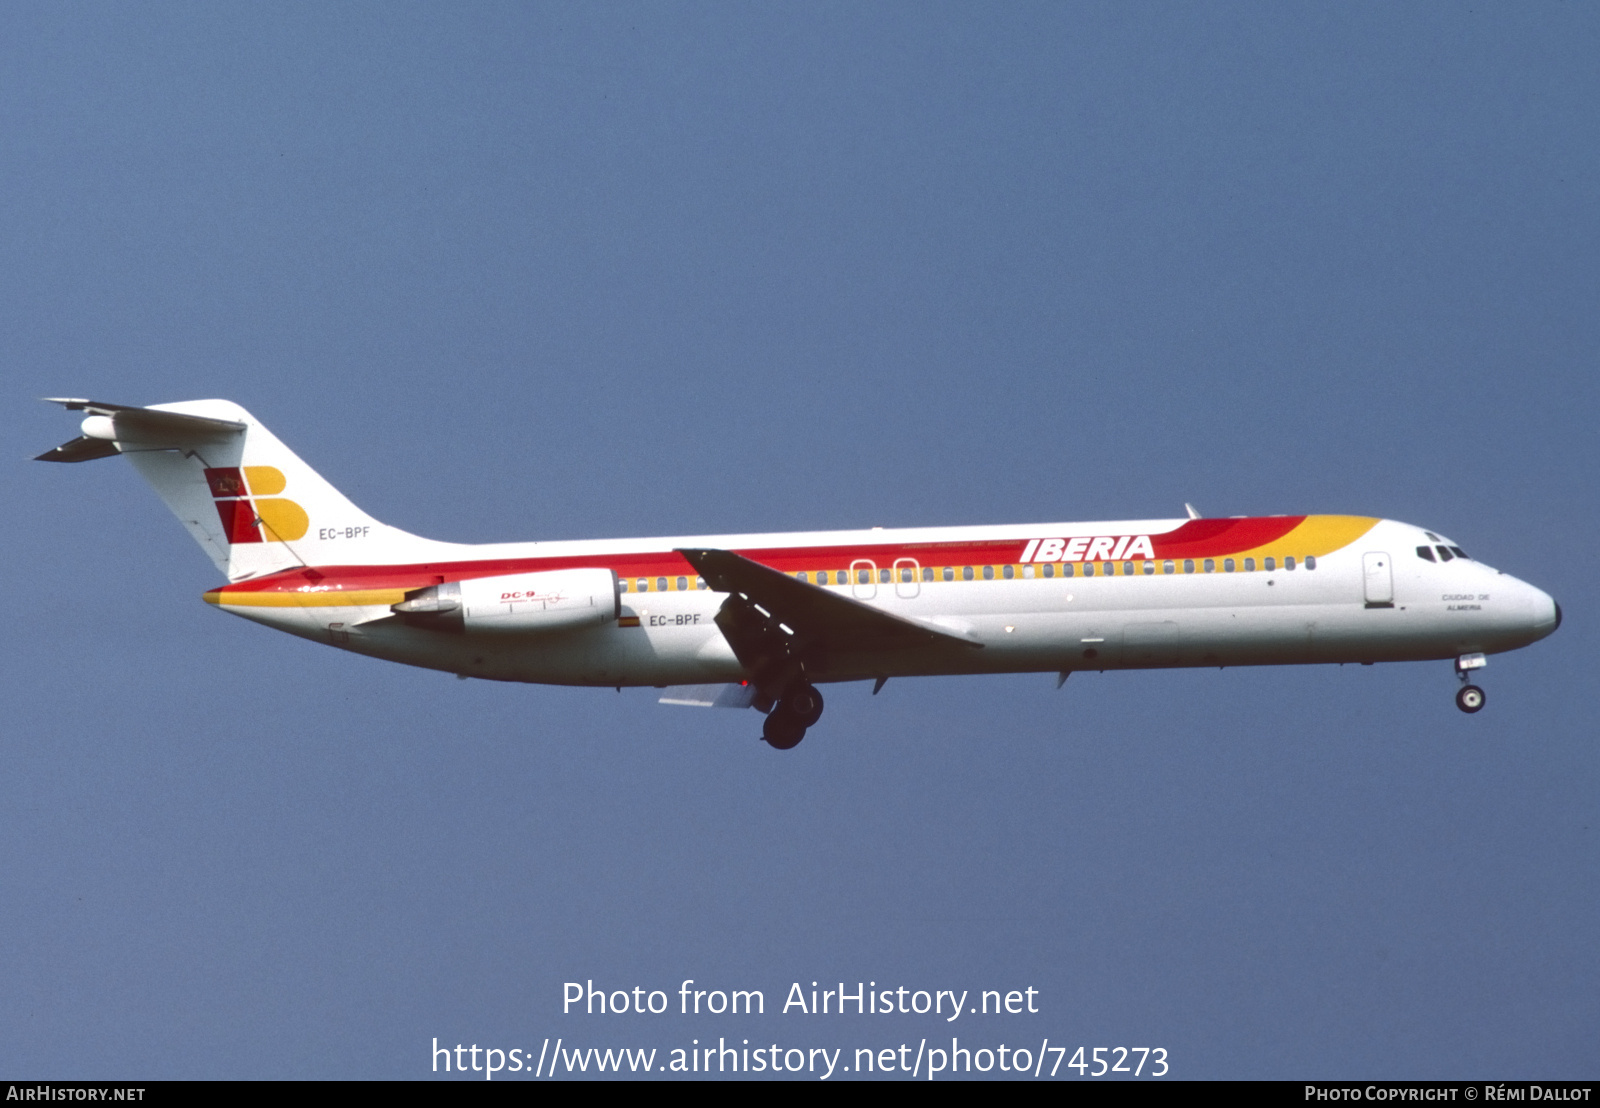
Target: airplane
{"points": [[761, 620]]}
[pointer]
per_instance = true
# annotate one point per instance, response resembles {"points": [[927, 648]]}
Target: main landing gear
{"points": [[787, 722], [1469, 698]]}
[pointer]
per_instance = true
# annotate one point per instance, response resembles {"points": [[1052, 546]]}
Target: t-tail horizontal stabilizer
{"points": [[117, 428], [252, 505]]}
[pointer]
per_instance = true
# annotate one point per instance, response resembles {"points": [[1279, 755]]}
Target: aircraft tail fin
{"points": [[247, 499]]}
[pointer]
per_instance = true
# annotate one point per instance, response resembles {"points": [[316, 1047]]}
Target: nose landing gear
{"points": [[787, 722], [1470, 698]]}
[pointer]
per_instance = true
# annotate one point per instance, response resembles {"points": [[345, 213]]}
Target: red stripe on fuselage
{"points": [[1195, 538], [1214, 538]]}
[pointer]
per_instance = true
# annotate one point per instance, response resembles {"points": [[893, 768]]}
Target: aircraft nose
{"points": [[1546, 613]]}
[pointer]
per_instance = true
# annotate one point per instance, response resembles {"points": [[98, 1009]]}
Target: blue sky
{"points": [[527, 271]]}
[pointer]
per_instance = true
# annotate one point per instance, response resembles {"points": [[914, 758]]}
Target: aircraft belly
{"points": [[309, 623], [1139, 638]]}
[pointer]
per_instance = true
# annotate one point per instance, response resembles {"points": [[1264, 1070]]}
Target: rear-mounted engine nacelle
{"points": [[516, 603]]}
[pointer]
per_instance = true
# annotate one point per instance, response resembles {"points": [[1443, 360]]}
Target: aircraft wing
{"points": [[815, 617]]}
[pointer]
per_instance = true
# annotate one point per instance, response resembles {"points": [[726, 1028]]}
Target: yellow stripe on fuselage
{"points": [[347, 598], [1317, 536]]}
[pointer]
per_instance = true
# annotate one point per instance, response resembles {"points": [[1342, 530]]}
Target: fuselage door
{"points": [[906, 572], [1378, 579], [864, 579]]}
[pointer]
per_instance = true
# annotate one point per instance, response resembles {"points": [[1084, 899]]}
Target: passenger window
{"points": [[1188, 565], [801, 577], [1459, 553], [1109, 569], [1311, 561], [1149, 568], [1227, 565], [883, 577], [927, 573], [1009, 572], [1288, 563], [644, 584], [1425, 553], [988, 573], [863, 577], [622, 584], [1049, 570], [699, 582], [661, 584], [1271, 564], [949, 573], [1066, 569], [1168, 567], [1027, 572], [1127, 569], [966, 573], [683, 583], [906, 576], [1088, 569], [1444, 553], [1249, 565], [1211, 565]]}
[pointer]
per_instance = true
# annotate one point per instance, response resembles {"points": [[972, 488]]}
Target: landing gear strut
{"points": [[787, 722], [1469, 698]]}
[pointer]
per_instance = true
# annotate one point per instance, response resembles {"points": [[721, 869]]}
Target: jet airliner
{"points": [[761, 620]]}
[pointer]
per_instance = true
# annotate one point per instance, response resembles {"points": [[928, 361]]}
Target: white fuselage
{"points": [[1157, 615]]}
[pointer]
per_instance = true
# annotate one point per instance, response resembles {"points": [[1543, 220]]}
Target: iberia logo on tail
{"points": [[251, 511]]}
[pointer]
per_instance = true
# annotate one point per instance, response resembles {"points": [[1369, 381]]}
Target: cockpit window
{"points": [[1444, 553], [1459, 553], [1431, 535], [1425, 553]]}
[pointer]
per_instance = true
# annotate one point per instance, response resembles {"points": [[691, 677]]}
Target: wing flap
{"points": [[709, 696]]}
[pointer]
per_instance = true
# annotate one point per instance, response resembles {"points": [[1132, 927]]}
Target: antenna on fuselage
{"points": [[1190, 509]]}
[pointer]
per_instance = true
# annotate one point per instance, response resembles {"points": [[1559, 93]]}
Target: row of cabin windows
{"points": [[662, 584], [1049, 569], [970, 573], [1445, 553]]}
